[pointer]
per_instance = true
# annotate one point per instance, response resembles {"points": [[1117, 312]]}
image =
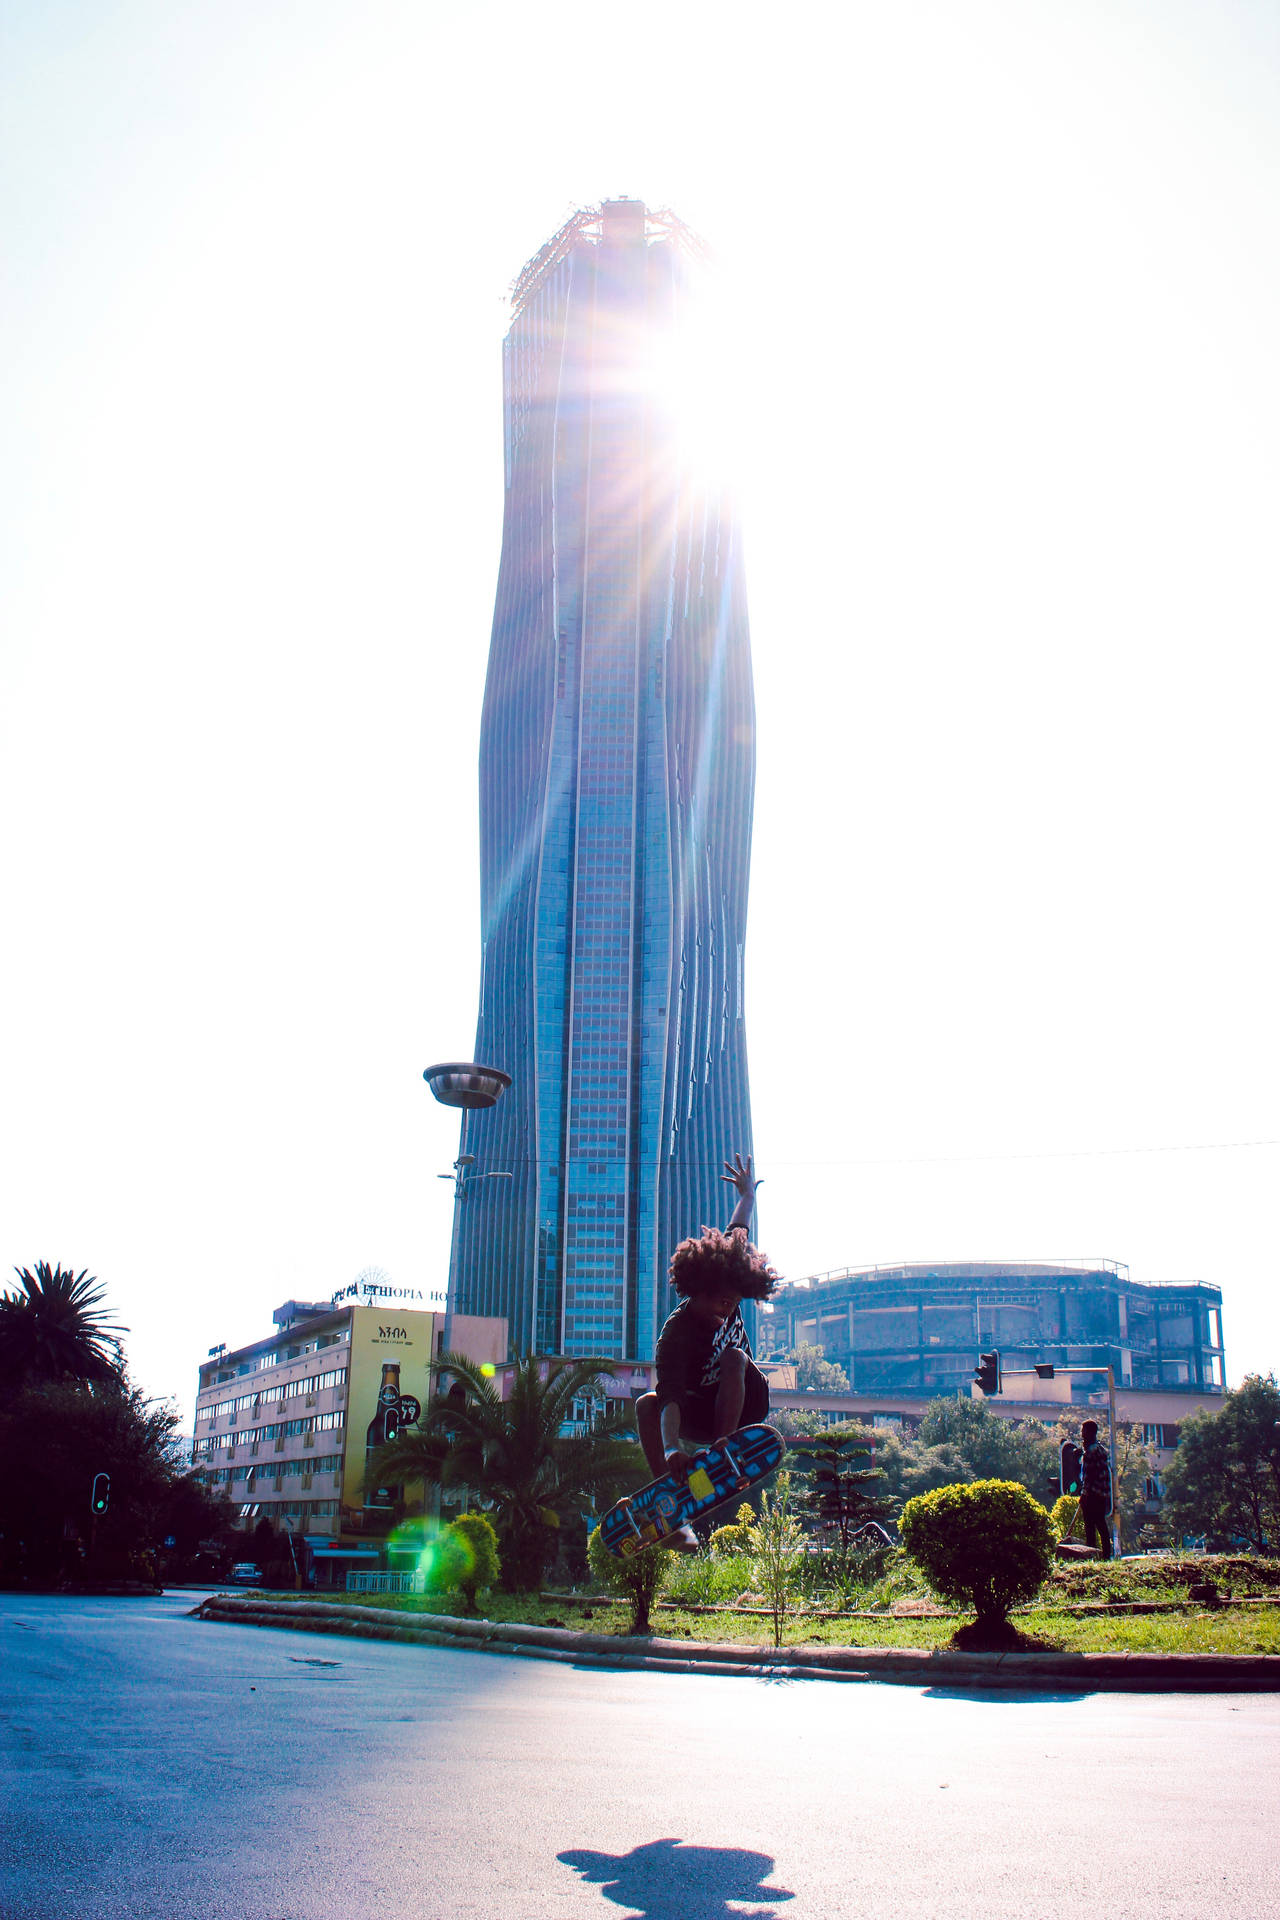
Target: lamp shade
{"points": [[464, 1083]]}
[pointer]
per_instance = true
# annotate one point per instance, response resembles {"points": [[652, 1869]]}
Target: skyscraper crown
{"points": [[619, 222]]}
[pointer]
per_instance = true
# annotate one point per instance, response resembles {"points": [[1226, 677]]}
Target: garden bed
{"points": [[1138, 1606]]}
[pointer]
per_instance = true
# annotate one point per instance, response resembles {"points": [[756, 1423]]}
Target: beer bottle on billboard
{"points": [[384, 1426]]}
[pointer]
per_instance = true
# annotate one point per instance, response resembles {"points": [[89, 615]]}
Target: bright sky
{"points": [[1004, 289]]}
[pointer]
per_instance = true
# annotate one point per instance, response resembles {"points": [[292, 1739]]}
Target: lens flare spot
{"points": [[441, 1556]]}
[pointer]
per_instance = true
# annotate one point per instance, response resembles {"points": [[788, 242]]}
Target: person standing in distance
{"points": [[707, 1384], [1095, 1496]]}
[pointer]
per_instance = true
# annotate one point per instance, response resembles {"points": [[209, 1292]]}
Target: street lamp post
{"points": [[465, 1084], [463, 1180]]}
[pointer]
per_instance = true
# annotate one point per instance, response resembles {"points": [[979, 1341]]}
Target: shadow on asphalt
{"points": [[666, 1880], [1007, 1696]]}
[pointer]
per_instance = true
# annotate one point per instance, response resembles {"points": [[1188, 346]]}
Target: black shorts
{"points": [[698, 1408]]}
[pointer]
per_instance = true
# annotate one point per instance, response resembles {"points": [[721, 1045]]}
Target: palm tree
{"points": [[56, 1329], [512, 1455]]}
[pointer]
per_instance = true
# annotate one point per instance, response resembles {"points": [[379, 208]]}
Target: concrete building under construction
{"points": [[919, 1329]]}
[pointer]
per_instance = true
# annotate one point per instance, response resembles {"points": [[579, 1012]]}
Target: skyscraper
{"points": [[617, 766]]}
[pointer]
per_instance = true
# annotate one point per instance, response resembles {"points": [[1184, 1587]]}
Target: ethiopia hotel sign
{"points": [[372, 1293]]}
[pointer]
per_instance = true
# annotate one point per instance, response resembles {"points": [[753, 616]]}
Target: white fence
{"points": [[386, 1583]]}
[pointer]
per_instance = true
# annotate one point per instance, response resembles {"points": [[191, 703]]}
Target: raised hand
{"points": [[739, 1175], [738, 1172]]}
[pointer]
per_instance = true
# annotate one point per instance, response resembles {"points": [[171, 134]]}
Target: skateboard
{"points": [[716, 1473]]}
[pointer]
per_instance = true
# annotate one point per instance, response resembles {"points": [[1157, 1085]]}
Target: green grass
{"points": [[1230, 1630]]}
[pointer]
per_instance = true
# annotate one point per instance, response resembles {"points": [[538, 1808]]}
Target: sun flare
{"points": [[698, 386]]}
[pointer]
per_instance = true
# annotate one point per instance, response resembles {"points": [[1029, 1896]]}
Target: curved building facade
{"points": [[617, 764], [919, 1329]]}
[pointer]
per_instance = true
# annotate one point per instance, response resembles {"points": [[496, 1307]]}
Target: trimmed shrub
{"points": [[987, 1545], [638, 1579], [471, 1556], [1063, 1512]]}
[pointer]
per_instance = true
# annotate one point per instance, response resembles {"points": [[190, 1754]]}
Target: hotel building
{"points": [[285, 1425]]}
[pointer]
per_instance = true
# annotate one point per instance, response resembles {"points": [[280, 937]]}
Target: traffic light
{"points": [[987, 1372], [100, 1498], [1070, 1465]]}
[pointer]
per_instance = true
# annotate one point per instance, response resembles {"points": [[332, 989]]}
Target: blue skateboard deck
{"points": [[716, 1473]]}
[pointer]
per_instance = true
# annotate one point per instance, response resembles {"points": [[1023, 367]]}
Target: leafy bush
{"points": [[736, 1537], [987, 1545], [1063, 1512], [638, 1579], [469, 1560], [730, 1539]]}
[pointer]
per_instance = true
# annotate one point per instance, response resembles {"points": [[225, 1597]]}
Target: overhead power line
{"points": [[1055, 1153]]}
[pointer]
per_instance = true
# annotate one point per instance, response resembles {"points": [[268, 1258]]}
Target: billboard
{"points": [[388, 1385]]}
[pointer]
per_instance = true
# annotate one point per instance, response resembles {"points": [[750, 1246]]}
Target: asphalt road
{"points": [[161, 1768]]}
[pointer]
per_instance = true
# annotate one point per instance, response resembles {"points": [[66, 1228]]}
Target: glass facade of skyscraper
{"points": [[617, 764]]}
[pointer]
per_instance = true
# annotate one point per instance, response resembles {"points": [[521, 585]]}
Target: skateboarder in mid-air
{"points": [[706, 1383]]}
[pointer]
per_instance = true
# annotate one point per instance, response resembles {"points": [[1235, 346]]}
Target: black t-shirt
{"points": [[690, 1350]]}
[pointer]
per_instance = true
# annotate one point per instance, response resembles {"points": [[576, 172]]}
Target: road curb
{"points": [[911, 1666]]}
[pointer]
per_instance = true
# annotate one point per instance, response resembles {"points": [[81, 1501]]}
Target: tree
{"points": [[1133, 1469], [55, 1329], [54, 1439], [193, 1517], [512, 1455], [842, 1488], [990, 1446], [639, 1577], [795, 1423], [1224, 1478], [814, 1372], [988, 1545], [262, 1542], [925, 1468], [908, 1465]]}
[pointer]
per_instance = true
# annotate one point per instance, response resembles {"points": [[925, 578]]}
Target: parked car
{"points": [[246, 1574]]}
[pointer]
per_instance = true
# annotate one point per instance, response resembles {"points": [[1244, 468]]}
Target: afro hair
{"points": [[725, 1262]]}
